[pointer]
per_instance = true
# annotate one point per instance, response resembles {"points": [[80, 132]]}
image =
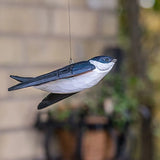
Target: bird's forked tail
{"points": [[19, 79]]}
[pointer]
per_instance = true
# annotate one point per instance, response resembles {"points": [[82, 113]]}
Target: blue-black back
{"points": [[65, 72]]}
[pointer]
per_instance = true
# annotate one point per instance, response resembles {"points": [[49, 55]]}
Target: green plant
{"points": [[113, 87], [61, 114]]}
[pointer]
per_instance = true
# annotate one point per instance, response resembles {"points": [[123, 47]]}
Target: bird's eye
{"points": [[107, 59]]}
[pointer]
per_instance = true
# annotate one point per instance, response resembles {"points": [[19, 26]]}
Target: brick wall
{"points": [[33, 41]]}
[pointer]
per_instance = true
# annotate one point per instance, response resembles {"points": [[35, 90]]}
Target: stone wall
{"points": [[34, 40]]}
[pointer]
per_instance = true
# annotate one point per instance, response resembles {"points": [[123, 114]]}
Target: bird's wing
{"points": [[53, 98], [65, 72]]}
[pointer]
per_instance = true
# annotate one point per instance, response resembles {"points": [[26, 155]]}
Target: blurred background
{"points": [[119, 119]]}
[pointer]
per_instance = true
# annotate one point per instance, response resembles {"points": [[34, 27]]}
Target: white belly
{"points": [[74, 84]]}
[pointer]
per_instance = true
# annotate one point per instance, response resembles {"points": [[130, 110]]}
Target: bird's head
{"points": [[103, 63]]}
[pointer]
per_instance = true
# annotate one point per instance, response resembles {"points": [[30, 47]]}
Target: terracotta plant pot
{"points": [[97, 144], [67, 143]]}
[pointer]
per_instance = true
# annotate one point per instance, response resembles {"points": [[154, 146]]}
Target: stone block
{"points": [[109, 23], [102, 4], [95, 47], [11, 51], [21, 1], [64, 3], [17, 113], [23, 20], [56, 2], [77, 2], [50, 51], [21, 144], [83, 23], [4, 84]]}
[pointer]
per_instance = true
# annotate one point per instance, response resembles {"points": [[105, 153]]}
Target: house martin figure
{"points": [[69, 80]]}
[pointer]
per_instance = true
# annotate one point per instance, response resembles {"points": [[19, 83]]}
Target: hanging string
{"points": [[70, 36]]}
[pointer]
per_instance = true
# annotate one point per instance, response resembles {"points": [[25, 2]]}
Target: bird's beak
{"points": [[114, 60]]}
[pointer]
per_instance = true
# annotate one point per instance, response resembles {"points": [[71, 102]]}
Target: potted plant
{"points": [[65, 130], [108, 103]]}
